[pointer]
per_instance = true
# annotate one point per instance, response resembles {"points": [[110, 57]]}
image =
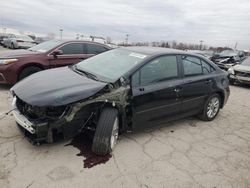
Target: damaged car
{"points": [[240, 73], [124, 89], [228, 58]]}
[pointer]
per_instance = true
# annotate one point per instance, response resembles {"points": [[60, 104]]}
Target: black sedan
{"points": [[120, 90]]}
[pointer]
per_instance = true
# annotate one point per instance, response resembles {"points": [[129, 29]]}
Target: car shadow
{"points": [[4, 87]]}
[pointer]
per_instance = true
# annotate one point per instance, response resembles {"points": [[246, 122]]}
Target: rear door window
{"points": [[194, 66]]}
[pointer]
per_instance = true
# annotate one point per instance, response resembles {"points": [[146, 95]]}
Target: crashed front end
{"points": [[224, 62], [46, 124]]}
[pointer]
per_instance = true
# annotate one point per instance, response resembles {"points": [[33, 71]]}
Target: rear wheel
{"points": [[28, 71], [12, 46], [106, 133], [211, 108]]}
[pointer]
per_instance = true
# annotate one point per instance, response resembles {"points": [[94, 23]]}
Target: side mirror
{"points": [[57, 52]]}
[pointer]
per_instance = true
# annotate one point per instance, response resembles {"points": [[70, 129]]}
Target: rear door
{"points": [[72, 53], [154, 92], [197, 83]]}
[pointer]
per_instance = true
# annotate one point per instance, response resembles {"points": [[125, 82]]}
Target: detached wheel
{"points": [[106, 133], [28, 71], [211, 108]]}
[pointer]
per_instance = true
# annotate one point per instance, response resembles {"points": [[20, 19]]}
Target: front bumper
{"points": [[36, 132], [47, 130], [240, 79]]}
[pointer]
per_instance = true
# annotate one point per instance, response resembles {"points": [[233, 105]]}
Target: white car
{"points": [[19, 41]]}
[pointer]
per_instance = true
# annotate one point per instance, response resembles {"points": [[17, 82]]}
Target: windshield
{"points": [[46, 46], [111, 65], [246, 62]]}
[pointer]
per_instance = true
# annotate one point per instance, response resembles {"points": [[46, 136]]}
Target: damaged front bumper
{"points": [[37, 131]]}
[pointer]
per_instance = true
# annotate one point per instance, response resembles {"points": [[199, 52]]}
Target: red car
{"points": [[18, 64]]}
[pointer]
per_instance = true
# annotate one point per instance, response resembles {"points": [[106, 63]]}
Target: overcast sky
{"points": [[217, 22]]}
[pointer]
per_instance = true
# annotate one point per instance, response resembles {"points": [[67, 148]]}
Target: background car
{"points": [[19, 41], [2, 36], [228, 58], [121, 90], [240, 73], [18, 64]]}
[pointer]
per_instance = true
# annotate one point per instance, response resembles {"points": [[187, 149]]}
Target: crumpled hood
{"points": [[242, 68], [16, 53], [56, 87]]}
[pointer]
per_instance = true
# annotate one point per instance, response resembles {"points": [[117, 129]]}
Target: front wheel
{"points": [[106, 133], [28, 71], [211, 108]]}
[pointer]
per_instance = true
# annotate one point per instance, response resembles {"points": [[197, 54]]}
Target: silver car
{"points": [[19, 41]]}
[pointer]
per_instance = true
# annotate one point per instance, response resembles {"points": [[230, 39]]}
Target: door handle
{"points": [[177, 90], [208, 81], [141, 89]]}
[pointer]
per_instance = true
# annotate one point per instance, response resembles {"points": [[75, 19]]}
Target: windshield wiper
{"points": [[88, 74]]}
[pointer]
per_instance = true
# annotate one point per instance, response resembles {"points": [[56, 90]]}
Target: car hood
{"points": [[16, 53], [242, 68], [56, 87]]}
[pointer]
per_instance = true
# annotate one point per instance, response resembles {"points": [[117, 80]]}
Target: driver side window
{"points": [[159, 69]]}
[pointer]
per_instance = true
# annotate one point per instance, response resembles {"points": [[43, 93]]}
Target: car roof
{"points": [[148, 50]]}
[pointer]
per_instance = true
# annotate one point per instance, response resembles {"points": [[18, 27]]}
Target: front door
{"points": [[72, 53], [155, 92]]}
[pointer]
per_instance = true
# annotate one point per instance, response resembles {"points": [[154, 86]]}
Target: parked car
{"points": [[6, 39], [240, 73], [2, 36], [120, 90], [19, 41], [18, 64], [228, 58]]}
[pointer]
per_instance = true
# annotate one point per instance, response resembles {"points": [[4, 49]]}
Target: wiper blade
{"points": [[88, 74]]}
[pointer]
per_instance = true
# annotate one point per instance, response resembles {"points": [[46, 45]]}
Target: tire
{"points": [[106, 132], [12, 46], [211, 108], [28, 71]]}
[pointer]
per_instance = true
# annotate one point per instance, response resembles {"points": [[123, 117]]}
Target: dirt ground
{"points": [[185, 153]]}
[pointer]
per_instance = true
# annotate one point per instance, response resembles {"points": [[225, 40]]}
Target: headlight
{"points": [[7, 61], [230, 70]]}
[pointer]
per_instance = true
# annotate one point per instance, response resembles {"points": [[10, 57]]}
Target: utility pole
{"points": [[61, 32], [201, 41], [236, 44], [126, 39]]}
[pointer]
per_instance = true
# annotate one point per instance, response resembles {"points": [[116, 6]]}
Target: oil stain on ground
{"points": [[83, 143]]}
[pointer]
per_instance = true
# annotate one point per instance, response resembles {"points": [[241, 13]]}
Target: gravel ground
{"points": [[185, 153]]}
